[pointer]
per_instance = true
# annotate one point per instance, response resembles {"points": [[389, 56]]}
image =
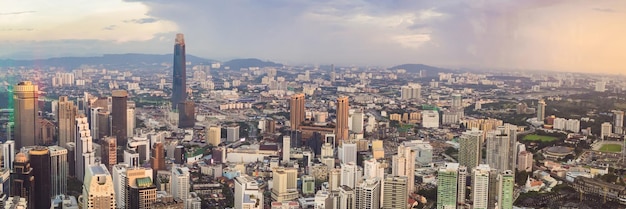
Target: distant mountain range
{"points": [[430, 71], [237, 64]]}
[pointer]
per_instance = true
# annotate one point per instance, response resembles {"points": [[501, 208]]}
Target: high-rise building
{"points": [[158, 158], [40, 162], [449, 186], [334, 179], [66, 121], [501, 148], [98, 190], [357, 121], [347, 152], [186, 114], [470, 144], [605, 130], [22, 180], [350, 174], [59, 169], [411, 91], [403, 164], [367, 193], [347, 199], [506, 182], [308, 185], [248, 193], [25, 111], [8, 154], [119, 125], [286, 149], [103, 121], [343, 112], [109, 152], [85, 155], [525, 161], [395, 192], [141, 193], [214, 135], [130, 121], [232, 133], [618, 120], [284, 184], [180, 183], [372, 168], [457, 101], [541, 110], [296, 110], [179, 82], [480, 186]]}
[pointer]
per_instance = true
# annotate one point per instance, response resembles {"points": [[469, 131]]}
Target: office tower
{"points": [[323, 200], [286, 148], [232, 133], [120, 180], [373, 168], [8, 154], [357, 121], [506, 182], [448, 186], [525, 161], [284, 184], [618, 119], [480, 186], [180, 183], [85, 155], [404, 165], [66, 120], [501, 148], [296, 110], [350, 174], [347, 152], [59, 169], [25, 111], [462, 184], [179, 82], [327, 150], [98, 190], [308, 185], [248, 193], [605, 130], [131, 157], [411, 91], [71, 158], [456, 101], [346, 198], [343, 109], [186, 114], [103, 120], [109, 152], [395, 192], [158, 158], [179, 154], [93, 122], [141, 145], [215, 135], [22, 179], [143, 194], [119, 125], [367, 194], [541, 110], [130, 121], [40, 162], [334, 179], [470, 143]]}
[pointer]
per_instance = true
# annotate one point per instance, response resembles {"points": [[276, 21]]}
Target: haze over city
{"points": [[581, 36]]}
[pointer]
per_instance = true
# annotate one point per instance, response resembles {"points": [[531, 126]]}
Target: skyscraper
{"points": [[119, 124], [158, 158], [346, 198], [501, 149], [142, 195], [26, 110], [66, 120], [179, 82], [8, 154], [130, 120], [284, 184], [506, 182], [347, 152], [367, 193], [350, 174], [480, 186], [286, 149], [248, 193], [343, 112], [470, 154], [59, 169], [98, 190], [40, 162], [296, 110], [85, 155], [180, 183], [214, 135], [103, 120], [618, 117], [357, 122], [395, 192], [109, 152], [186, 114], [541, 110], [404, 165], [448, 186], [411, 91], [22, 179]]}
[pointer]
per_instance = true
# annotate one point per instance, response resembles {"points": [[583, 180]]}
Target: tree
{"points": [[521, 177]]}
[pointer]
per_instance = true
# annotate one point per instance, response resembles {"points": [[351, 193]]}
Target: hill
{"points": [[110, 60], [237, 64], [416, 68]]}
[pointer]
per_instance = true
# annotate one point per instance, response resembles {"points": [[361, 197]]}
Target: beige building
{"points": [[25, 98], [98, 188], [66, 120], [284, 184], [248, 193], [525, 161], [395, 192], [214, 135]]}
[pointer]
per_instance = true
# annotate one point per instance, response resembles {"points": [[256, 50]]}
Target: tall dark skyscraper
{"points": [[186, 114], [22, 180], [40, 162], [119, 114], [179, 84]]}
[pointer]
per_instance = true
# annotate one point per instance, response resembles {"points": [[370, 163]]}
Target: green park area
{"points": [[539, 138], [611, 148]]}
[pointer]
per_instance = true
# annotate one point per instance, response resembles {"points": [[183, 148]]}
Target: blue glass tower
{"points": [[179, 84]]}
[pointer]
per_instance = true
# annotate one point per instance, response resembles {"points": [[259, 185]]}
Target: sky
{"points": [[561, 35]]}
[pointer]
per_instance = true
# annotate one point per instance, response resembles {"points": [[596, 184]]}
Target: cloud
{"points": [[16, 29], [142, 20], [607, 10], [110, 27], [16, 13]]}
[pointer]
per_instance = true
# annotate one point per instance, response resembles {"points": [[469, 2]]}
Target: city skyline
{"points": [[553, 35]]}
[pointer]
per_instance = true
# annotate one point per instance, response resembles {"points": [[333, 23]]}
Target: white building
{"points": [[347, 152], [350, 174], [367, 194], [357, 121], [480, 186], [98, 190], [232, 133], [8, 154], [404, 165], [85, 155], [411, 91], [180, 183], [430, 119], [248, 194], [606, 130], [286, 148]]}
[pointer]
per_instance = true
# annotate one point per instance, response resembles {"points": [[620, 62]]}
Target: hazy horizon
{"points": [[556, 35]]}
